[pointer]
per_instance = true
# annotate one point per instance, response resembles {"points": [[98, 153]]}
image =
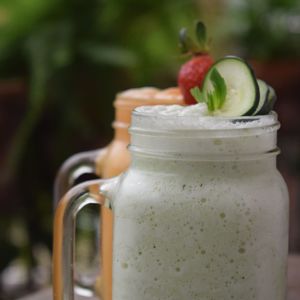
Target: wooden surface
{"points": [[293, 284]]}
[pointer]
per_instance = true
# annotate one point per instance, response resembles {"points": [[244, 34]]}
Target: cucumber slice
{"points": [[272, 94], [271, 98], [269, 103], [242, 92], [263, 96]]}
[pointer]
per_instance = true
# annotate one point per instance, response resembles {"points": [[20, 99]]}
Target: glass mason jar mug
{"points": [[201, 213]]}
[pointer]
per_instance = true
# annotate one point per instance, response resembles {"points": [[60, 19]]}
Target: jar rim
{"points": [[198, 136], [159, 124]]}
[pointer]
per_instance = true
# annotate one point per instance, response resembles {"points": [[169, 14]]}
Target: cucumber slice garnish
{"points": [[269, 102], [230, 89], [242, 91], [263, 96], [271, 99], [272, 94]]}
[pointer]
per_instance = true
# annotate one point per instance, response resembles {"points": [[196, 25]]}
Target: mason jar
{"points": [[201, 213]]}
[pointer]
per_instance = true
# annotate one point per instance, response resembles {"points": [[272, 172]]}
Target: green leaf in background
{"points": [[75, 55], [264, 30], [109, 55], [19, 17], [48, 50]]}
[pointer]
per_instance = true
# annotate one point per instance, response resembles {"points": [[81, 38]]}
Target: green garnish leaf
{"points": [[220, 89], [197, 94], [211, 103], [216, 97]]}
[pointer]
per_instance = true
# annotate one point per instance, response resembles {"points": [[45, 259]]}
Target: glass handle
{"points": [[72, 169], [64, 234]]}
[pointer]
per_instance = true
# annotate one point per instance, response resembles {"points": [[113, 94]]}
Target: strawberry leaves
{"points": [[215, 98], [186, 44], [201, 36], [194, 46]]}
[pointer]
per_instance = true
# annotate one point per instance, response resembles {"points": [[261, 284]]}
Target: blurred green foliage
{"points": [[265, 29], [52, 39], [74, 55]]}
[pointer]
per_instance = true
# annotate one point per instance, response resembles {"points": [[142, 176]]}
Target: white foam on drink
{"points": [[177, 117]]}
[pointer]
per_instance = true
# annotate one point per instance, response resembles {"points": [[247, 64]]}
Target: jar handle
{"points": [[64, 233], [74, 167]]}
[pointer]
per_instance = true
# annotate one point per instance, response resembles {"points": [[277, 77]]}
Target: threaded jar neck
{"points": [[193, 137]]}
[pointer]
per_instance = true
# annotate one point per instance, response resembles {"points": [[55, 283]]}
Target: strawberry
{"points": [[192, 73]]}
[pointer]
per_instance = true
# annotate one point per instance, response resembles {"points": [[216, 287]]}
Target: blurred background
{"points": [[63, 61]]}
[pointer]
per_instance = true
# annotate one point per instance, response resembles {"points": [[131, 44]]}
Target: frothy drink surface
{"points": [[174, 117], [200, 215]]}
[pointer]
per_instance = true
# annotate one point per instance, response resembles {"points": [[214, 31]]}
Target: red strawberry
{"points": [[192, 73]]}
